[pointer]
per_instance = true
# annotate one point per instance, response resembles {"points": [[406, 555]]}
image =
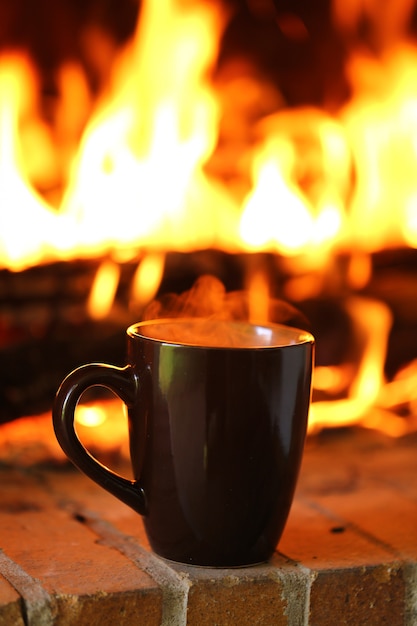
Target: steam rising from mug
{"points": [[208, 299]]}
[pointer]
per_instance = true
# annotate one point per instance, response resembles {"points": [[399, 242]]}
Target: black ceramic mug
{"points": [[217, 422]]}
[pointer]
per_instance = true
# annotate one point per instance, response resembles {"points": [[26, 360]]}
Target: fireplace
{"points": [[151, 149], [266, 146]]}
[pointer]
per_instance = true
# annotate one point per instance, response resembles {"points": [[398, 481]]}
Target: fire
{"points": [[147, 279], [381, 122], [103, 291], [138, 177], [145, 148], [277, 212], [149, 176], [372, 324], [23, 211]]}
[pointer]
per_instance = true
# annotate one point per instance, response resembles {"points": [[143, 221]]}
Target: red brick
{"points": [[10, 605], [355, 578], [319, 541], [368, 483], [64, 556], [246, 596], [359, 595], [344, 537], [79, 493], [381, 513]]}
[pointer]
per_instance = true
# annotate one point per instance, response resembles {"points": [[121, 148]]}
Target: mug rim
{"points": [[295, 336]]}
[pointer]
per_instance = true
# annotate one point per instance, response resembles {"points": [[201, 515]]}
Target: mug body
{"points": [[216, 438]]}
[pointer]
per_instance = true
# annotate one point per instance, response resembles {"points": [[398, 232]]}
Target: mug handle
{"points": [[124, 383]]}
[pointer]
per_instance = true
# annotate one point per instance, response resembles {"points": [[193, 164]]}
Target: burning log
{"points": [[46, 328], [45, 331]]}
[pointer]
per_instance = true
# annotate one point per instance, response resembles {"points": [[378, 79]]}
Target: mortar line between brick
{"points": [[410, 576], [296, 582], [36, 600], [310, 578], [174, 586]]}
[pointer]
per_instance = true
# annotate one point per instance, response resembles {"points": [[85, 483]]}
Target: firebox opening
{"points": [[272, 147]]}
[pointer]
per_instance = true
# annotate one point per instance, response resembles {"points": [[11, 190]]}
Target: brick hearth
{"points": [[73, 555]]}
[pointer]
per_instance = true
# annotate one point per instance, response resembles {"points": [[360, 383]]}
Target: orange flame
{"points": [[147, 279], [103, 290], [372, 323]]}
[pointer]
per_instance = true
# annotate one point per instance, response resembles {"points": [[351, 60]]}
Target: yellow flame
{"points": [[372, 321], [140, 163], [320, 183], [138, 175], [26, 225], [103, 291], [147, 279], [278, 213], [381, 125], [275, 215]]}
